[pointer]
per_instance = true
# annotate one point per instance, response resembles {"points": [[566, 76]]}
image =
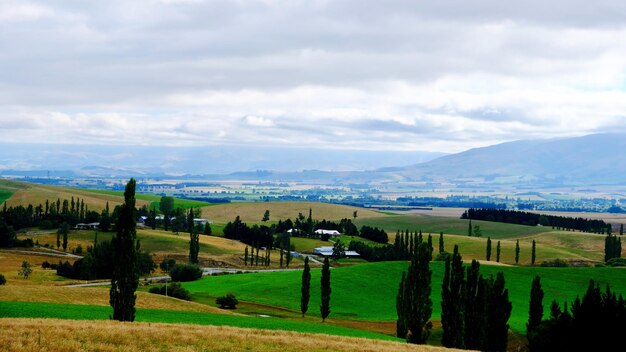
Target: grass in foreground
{"points": [[65, 335], [90, 312]]}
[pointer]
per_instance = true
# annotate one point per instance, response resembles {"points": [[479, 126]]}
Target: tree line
{"points": [[533, 219]]}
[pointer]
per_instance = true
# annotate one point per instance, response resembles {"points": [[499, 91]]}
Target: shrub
{"points": [[167, 264], [185, 272], [45, 265], [173, 290], [442, 256], [556, 263], [27, 242], [2, 280], [227, 302], [616, 262]]}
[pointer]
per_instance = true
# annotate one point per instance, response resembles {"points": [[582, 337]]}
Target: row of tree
{"points": [[534, 219]]}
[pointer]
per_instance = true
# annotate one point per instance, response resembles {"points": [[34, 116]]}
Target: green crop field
{"points": [[92, 312], [434, 225], [368, 291]]}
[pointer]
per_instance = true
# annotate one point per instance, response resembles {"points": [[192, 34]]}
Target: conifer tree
{"points": [[306, 287], [535, 312], [533, 254], [420, 308], [125, 278], [621, 229], [474, 326], [488, 256], [401, 309], [452, 302], [517, 252], [245, 257], [325, 290], [469, 228], [498, 252], [498, 311], [207, 229]]}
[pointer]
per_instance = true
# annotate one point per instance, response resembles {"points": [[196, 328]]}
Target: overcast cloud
{"points": [[386, 75]]}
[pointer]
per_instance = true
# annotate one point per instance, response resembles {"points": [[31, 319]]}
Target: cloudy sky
{"points": [[387, 75]]}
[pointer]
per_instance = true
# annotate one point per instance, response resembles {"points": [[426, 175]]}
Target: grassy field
{"points": [[252, 213], [367, 291], [434, 225], [67, 335], [93, 312], [98, 296], [154, 199], [35, 194]]}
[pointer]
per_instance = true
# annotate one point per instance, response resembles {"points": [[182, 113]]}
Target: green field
{"points": [[92, 312], [154, 199], [435, 225], [5, 194], [368, 291]]}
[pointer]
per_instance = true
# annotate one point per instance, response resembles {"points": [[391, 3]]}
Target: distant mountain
{"points": [[113, 160], [589, 160]]}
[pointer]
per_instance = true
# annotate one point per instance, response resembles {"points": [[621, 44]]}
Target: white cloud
{"points": [[401, 75]]}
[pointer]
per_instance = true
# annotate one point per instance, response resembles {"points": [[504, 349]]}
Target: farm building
{"points": [[332, 233], [89, 226], [328, 251]]}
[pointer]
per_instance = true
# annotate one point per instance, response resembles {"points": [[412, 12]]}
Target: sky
{"points": [[438, 76]]}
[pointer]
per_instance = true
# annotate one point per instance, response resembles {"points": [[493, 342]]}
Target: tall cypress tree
{"points": [[533, 253], [325, 289], [469, 228], [306, 287], [621, 229], [420, 308], [488, 256], [194, 239], [498, 311], [125, 277], [498, 252], [535, 311], [452, 302], [245, 257], [517, 252], [474, 317], [401, 309]]}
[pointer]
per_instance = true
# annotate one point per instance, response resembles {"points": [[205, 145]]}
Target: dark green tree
{"points": [[306, 287], [498, 311], [325, 289], [207, 229], [401, 308], [469, 228], [266, 216], [194, 239], [420, 308], [535, 312], [474, 308], [63, 231], [517, 252], [488, 248], [533, 253], [125, 278], [166, 206], [452, 302], [621, 229], [339, 250], [245, 257], [105, 219], [498, 252], [612, 247]]}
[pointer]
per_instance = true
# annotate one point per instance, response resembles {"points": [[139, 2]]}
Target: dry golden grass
{"points": [[11, 262], [38, 194], [253, 212], [70, 335], [96, 296]]}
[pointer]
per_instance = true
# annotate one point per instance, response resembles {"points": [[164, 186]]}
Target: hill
{"points": [[589, 160]]}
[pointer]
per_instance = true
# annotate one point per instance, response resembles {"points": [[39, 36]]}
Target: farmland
{"points": [[363, 294]]}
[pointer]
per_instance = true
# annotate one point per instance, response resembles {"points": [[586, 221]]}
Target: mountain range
{"points": [[596, 159]]}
